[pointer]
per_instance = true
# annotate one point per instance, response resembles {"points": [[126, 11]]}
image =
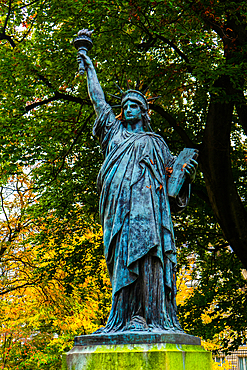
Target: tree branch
{"points": [[28, 31], [178, 51], [25, 6], [18, 287], [3, 36], [5, 214], [153, 39], [16, 259], [7, 17], [199, 9], [44, 79], [220, 29], [58, 96], [173, 124]]}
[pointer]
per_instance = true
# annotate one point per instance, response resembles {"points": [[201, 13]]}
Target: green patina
{"points": [[124, 357]]}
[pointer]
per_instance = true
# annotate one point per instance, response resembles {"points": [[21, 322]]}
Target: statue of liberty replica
{"points": [[135, 212], [140, 183]]}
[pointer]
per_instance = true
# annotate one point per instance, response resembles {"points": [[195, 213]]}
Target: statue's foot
{"points": [[137, 323], [99, 331]]}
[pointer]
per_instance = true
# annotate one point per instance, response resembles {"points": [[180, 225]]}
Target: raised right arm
{"points": [[95, 91]]}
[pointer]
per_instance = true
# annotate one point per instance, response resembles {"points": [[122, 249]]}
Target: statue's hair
{"points": [[146, 119]]}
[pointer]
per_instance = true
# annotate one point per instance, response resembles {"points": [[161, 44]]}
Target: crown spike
{"points": [[119, 88], [127, 83], [137, 83], [154, 98], [146, 89], [114, 96]]}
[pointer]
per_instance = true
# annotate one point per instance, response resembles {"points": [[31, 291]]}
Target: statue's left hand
{"points": [[190, 170]]}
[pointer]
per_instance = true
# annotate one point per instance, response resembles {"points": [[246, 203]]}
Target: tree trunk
{"points": [[216, 164]]}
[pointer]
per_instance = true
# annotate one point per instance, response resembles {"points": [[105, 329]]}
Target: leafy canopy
{"points": [[194, 53]]}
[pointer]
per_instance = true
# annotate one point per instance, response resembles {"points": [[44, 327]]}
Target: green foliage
{"points": [[186, 49]]}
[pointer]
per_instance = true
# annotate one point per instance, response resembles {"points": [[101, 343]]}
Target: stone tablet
{"points": [[178, 176]]}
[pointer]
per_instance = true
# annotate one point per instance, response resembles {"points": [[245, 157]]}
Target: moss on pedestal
{"points": [[138, 357]]}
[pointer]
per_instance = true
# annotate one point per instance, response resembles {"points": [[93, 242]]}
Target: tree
{"points": [[38, 317], [194, 52]]}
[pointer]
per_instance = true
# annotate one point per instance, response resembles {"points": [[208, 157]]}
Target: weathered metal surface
{"points": [[137, 338], [135, 213], [178, 176], [83, 43]]}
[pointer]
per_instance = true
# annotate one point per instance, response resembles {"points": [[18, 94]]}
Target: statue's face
{"points": [[132, 112]]}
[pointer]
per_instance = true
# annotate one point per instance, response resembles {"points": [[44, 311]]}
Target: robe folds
{"points": [[138, 234]]}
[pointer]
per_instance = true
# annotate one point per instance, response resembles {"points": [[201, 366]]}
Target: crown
{"points": [[134, 95]]}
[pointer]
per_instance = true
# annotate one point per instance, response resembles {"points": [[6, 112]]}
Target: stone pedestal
{"points": [[146, 352]]}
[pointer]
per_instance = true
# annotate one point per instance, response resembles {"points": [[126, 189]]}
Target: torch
{"points": [[83, 43]]}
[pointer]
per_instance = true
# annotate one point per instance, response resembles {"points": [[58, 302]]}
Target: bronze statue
{"points": [[135, 212]]}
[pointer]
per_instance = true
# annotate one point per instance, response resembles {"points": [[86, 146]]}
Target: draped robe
{"points": [[138, 234]]}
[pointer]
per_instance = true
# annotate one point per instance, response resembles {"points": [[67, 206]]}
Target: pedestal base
{"points": [[157, 356], [137, 337]]}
